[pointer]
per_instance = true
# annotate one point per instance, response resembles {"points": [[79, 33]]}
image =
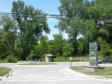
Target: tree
{"points": [[40, 49], [91, 19], [51, 47], [31, 23], [83, 48], [74, 12], [76, 27], [7, 37], [67, 49], [58, 41]]}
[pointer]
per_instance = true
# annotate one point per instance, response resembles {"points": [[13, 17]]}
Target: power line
{"points": [[6, 13], [56, 16]]}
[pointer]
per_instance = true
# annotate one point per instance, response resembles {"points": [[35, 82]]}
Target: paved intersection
{"points": [[49, 74]]}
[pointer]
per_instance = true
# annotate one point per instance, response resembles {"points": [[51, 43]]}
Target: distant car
{"points": [[105, 60]]}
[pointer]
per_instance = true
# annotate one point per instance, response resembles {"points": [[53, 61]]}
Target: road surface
{"points": [[49, 74]]}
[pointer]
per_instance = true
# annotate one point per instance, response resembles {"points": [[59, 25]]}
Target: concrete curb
{"points": [[6, 76], [76, 72], [95, 77]]}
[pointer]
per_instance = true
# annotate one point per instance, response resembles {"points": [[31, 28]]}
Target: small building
{"points": [[48, 58]]}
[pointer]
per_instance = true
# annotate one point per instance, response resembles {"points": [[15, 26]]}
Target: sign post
{"points": [[70, 61], [93, 59], [93, 53]]}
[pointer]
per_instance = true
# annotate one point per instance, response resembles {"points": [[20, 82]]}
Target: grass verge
{"points": [[4, 71], [77, 68], [38, 63], [107, 72]]}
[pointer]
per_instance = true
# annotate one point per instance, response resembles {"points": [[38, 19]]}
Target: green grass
{"points": [[107, 72], [4, 71], [77, 68], [66, 59], [38, 63]]}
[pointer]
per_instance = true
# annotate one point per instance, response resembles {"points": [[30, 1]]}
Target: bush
{"points": [[75, 59], [107, 52], [10, 59], [100, 55], [61, 59], [31, 55]]}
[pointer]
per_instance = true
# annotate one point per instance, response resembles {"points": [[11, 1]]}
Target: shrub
{"points": [[61, 59], [4, 61], [10, 59], [67, 59], [106, 52]]}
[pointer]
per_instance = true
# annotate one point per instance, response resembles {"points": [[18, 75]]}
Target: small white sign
{"points": [[70, 58]]}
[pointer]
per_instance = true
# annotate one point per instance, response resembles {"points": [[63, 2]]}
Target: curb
{"points": [[7, 75], [76, 72]]}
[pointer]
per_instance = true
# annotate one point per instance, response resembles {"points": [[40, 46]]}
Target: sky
{"points": [[48, 6]]}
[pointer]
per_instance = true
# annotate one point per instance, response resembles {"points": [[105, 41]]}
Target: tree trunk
{"points": [[75, 46]]}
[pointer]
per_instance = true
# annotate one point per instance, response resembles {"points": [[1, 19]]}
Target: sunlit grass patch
{"points": [[4, 71], [106, 73]]}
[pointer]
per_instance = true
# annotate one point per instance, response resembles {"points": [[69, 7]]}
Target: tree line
{"points": [[21, 35]]}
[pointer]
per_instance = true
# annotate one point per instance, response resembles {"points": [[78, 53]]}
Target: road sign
{"points": [[93, 49]]}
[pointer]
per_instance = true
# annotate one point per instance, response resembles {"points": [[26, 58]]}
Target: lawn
{"points": [[43, 63], [107, 72], [77, 68], [4, 71]]}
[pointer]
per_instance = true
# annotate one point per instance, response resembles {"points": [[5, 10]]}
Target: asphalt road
{"points": [[49, 74]]}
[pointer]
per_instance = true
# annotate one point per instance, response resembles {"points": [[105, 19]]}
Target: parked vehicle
{"points": [[105, 60]]}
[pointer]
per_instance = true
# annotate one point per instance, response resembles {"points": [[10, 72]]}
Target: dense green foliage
{"points": [[21, 36], [22, 31], [87, 18]]}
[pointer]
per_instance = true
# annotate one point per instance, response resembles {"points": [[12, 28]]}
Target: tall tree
{"points": [[74, 31], [73, 11], [31, 23], [93, 15]]}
